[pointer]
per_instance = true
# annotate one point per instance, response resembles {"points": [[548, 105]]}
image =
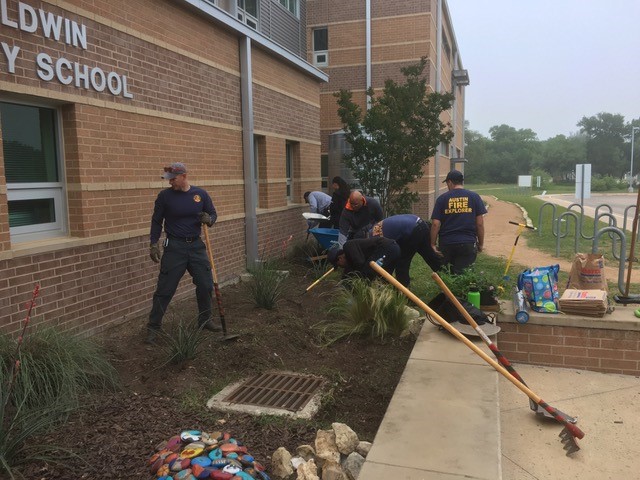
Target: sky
{"points": [[545, 64]]}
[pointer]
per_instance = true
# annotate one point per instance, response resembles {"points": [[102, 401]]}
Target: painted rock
{"points": [[170, 458], [243, 476], [201, 461], [258, 466], [192, 450], [231, 469], [202, 472], [190, 436], [232, 447], [163, 471], [162, 454], [165, 477], [263, 475], [156, 464], [184, 475], [233, 455], [208, 439], [174, 444], [215, 454], [220, 475], [252, 472], [247, 459], [220, 462], [180, 464]]}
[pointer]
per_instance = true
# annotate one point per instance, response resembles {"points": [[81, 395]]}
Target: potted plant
{"points": [[461, 284]]}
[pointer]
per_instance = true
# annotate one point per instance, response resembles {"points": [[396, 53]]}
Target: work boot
{"points": [[209, 325], [152, 336]]}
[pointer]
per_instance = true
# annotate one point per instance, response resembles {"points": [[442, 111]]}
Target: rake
{"points": [[570, 431], [498, 354]]}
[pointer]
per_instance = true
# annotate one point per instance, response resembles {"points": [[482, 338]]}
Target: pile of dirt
{"points": [[115, 434]]}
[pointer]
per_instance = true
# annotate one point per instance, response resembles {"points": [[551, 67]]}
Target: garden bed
{"points": [[116, 433]]}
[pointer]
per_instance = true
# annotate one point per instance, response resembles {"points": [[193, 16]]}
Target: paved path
{"points": [[500, 235]]}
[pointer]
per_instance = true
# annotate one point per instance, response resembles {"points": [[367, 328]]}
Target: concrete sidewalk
{"points": [[453, 417]]}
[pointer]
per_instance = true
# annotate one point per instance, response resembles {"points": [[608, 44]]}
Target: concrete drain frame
{"points": [[272, 393]]}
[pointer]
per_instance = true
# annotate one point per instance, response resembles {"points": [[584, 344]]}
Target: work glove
{"points": [[205, 219], [154, 252]]}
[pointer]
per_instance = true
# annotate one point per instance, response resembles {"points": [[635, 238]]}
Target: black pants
{"points": [[180, 256], [459, 256], [418, 242]]}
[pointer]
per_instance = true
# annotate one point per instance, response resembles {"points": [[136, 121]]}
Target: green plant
{"points": [[267, 284], [182, 342], [471, 277], [364, 308]]}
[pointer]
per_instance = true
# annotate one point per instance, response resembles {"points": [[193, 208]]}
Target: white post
{"points": [[633, 131]]}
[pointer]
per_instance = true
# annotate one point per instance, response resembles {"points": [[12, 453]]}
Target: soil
{"points": [[116, 433]]}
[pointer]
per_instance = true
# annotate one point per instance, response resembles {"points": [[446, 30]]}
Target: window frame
{"points": [[287, 4], [319, 53], [245, 17], [42, 190], [289, 173]]}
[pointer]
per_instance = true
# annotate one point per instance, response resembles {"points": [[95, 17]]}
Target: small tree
{"points": [[392, 142]]}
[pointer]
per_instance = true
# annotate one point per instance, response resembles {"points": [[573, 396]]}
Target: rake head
{"points": [[569, 441]]}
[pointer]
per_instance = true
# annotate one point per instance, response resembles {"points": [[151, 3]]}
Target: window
{"points": [[32, 170], [289, 169], [320, 47], [248, 12], [324, 171], [291, 5]]}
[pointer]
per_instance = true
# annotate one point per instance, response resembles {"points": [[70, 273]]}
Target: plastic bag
{"points": [[540, 288]]}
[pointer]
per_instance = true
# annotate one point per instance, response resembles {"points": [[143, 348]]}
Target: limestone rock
{"points": [[308, 471], [363, 448], [281, 464], [346, 439], [352, 465], [332, 471], [326, 449], [306, 451]]}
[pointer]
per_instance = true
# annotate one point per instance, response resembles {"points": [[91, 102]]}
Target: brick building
{"points": [[362, 43], [97, 96]]}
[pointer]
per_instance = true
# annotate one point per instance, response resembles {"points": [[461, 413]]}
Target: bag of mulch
{"points": [[587, 272], [447, 310], [540, 287]]}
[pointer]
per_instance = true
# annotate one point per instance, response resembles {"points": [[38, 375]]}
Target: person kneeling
{"points": [[355, 255]]}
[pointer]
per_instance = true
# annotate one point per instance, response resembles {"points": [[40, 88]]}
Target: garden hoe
{"points": [[225, 336], [492, 346], [570, 431], [319, 280]]}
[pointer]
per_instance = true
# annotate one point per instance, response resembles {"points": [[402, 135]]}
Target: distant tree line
{"points": [[604, 141]]}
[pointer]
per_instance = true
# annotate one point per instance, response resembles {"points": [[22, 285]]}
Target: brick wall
{"points": [[184, 74], [596, 349]]}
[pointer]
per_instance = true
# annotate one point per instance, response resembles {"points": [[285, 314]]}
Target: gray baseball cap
{"points": [[173, 170]]}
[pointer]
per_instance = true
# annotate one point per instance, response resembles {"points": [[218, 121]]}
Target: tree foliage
{"points": [[605, 143], [393, 140]]}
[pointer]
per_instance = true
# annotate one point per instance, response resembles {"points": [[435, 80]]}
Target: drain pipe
{"points": [[250, 177], [436, 161], [368, 48]]}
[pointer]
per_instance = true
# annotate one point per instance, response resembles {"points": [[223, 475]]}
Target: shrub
{"points": [[182, 342], [363, 308], [461, 283], [267, 284]]}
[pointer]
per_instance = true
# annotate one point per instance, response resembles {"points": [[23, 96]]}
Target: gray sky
{"points": [[544, 64]]}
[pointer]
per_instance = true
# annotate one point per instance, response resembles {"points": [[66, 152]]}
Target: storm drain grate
{"points": [[277, 390]]}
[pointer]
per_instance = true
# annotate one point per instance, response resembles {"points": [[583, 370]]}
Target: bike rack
{"points": [[623, 249]]}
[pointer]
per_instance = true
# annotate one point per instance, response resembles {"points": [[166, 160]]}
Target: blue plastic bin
{"points": [[326, 237]]}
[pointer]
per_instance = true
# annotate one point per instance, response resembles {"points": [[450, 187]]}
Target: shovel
{"points": [[225, 336]]}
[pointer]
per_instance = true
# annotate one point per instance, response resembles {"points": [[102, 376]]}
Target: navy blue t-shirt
{"points": [[398, 227], [457, 210], [179, 210]]}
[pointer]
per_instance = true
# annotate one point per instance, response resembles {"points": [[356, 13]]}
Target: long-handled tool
{"points": [[319, 280], [492, 346], [570, 431], [225, 335], [521, 227]]}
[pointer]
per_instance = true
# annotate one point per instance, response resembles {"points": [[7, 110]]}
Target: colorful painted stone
{"points": [[220, 462], [171, 458], [215, 454], [201, 472], [163, 471], [233, 455], [156, 464], [180, 464], [192, 450], [191, 436], [184, 475], [247, 459], [220, 475], [201, 461], [244, 476], [174, 444], [232, 447], [208, 440], [232, 469], [165, 477], [263, 475]]}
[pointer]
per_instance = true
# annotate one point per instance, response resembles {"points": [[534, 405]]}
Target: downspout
{"points": [[250, 178], [436, 161], [368, 47], [454, 113]]}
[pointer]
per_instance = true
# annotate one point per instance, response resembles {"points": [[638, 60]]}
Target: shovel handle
{"points": [[319, 280], [575, 431]]}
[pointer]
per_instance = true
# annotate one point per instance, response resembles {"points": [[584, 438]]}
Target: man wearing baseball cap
{"points": [[181, 210], [457, 230]]}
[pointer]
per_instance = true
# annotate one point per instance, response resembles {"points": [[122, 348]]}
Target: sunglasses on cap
{"points": [[177, 171]]}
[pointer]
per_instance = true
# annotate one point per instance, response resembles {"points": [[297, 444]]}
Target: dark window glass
{"points": [[31, 212], [320, 39], [29, 143]]}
